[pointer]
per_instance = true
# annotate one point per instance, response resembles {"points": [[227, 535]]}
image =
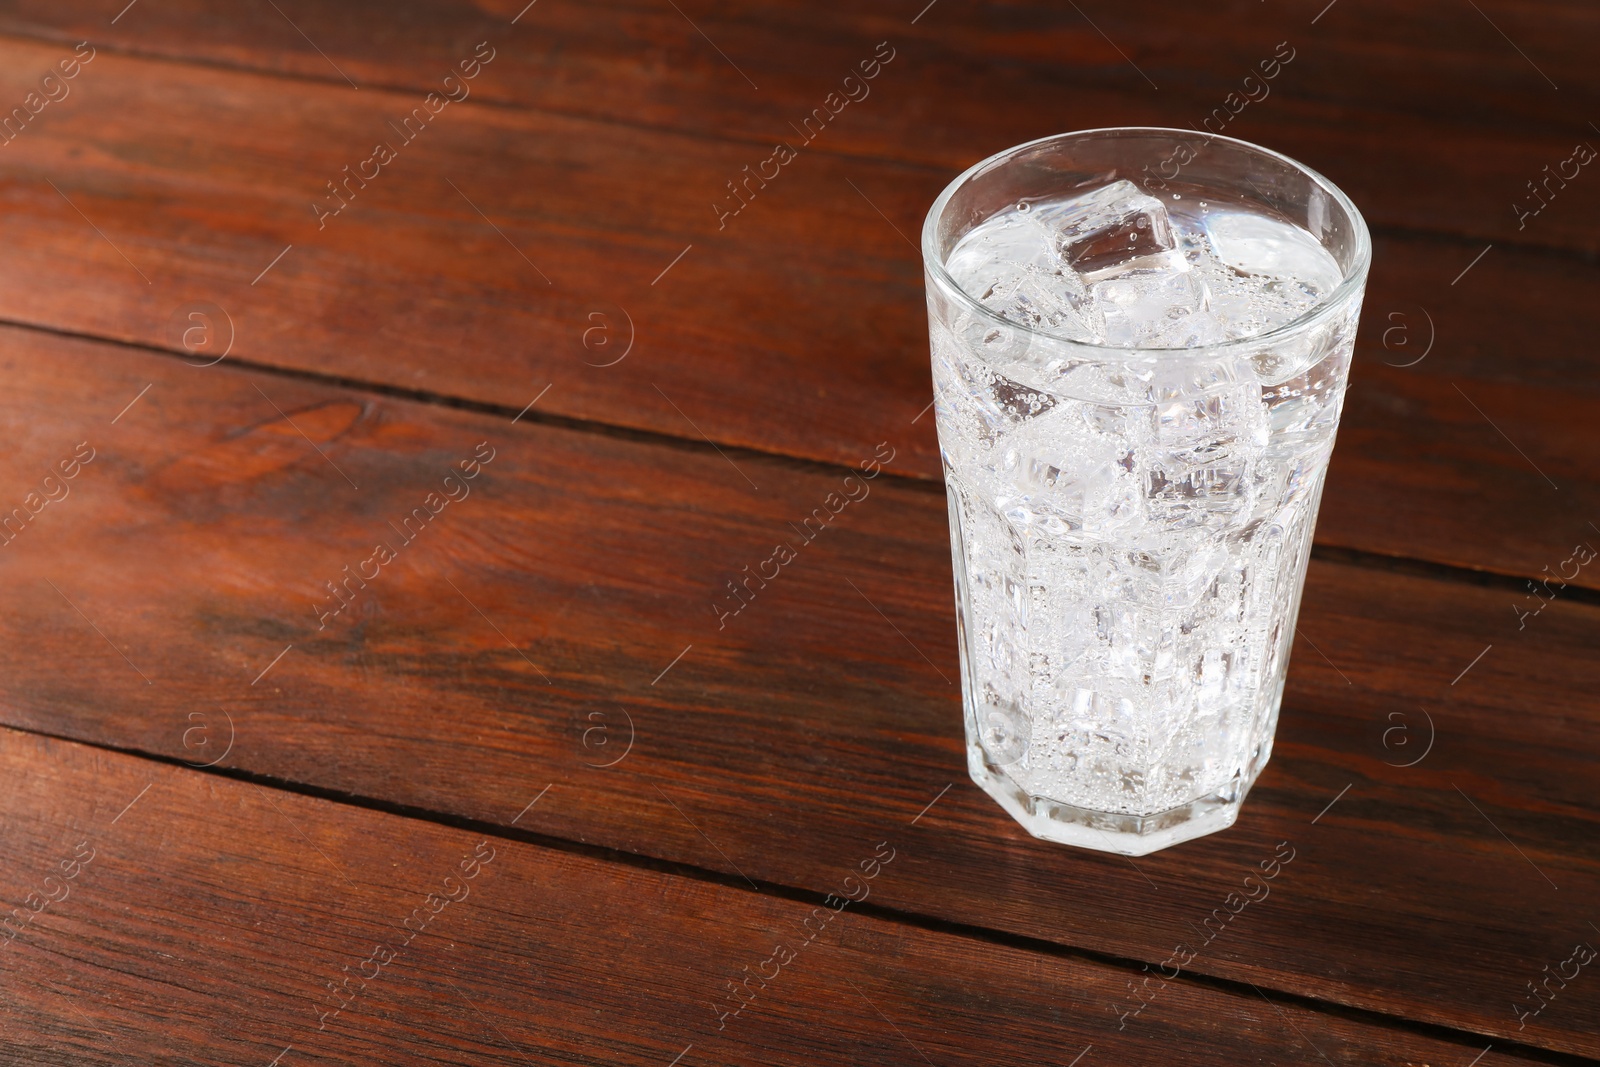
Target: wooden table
{"points": [[511, 788]]}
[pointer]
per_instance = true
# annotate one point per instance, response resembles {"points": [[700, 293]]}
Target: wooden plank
{"points": [[203, 920], [777, 334], [563, 617], [1428, 118], [1464, 438]]}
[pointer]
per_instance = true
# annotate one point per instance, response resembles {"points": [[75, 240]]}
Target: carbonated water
{"points": [[1131, 521]]}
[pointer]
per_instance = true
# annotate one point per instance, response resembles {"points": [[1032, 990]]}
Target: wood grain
{"points": [[212, 914], [533, 648], [564, 613], [777, 334], [1427, 116]]}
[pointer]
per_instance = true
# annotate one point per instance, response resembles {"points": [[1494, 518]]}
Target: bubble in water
{"points": [[1128, 534]]}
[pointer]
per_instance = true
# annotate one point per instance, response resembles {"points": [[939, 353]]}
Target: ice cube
{"points": [[1005, 730], [1208, 428], [1217, 409], [1060, 619], [1305, 353], [997, 344], [1007, 242], [1054, 301], [1066, 479], [1256, 244], [1262, 272], [1012, 269], [1170, 578], [1108, 230], [1166, 307], [964, 393]]}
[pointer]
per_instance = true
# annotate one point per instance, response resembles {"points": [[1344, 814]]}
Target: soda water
{"points": [[1134, 462]]}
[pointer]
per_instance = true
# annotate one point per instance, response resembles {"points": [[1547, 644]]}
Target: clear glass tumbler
{"points": [[1130, 523]]}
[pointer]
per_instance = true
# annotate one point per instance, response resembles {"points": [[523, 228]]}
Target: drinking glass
{"points": [[1130, 526]]}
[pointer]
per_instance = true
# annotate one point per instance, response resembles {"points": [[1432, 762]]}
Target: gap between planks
{"points": [[1365, 558], [1466, 1039], [203, 63]]}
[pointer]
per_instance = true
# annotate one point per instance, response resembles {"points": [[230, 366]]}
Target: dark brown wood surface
{"points": [[211, 915], [805, 340], [558, 627], [562, 616], [1432, 113]]}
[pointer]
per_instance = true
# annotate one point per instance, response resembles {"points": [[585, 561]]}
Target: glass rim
{"points": [[1354, 278]]}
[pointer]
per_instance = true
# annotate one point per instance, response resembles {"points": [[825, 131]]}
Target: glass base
{"points": [[1104, 831]]}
